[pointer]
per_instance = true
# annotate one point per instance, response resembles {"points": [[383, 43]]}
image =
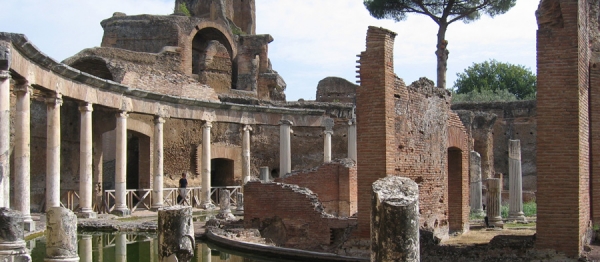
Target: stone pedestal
{"points": [[53, 151], [175, 234], [22, 155], [494, 200], [264, 174], [85, 248], [61, 235], [85, 162], [225, 205], [475, 201], [121, 208], [240, 201], [12, 245], [246, 153], [285, 153], [205, 201], [4, 138], [157, 183], [352, 139], [515, 181], [395, 220]]}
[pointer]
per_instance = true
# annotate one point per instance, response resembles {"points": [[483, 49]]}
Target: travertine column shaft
{"points": [[121, 166], [515, 205], [4, 138], [264, 174], [53, 151], [352, 139], [120, 247], [476, 205], [395, 220], [206, 203], [224, 205], [157, 187], [85, 248], [85, 162], [285, 151], [239, 201], [22, 155], [327, 146], [494, 200], [246, 153], [61, 235], [206, 253]]}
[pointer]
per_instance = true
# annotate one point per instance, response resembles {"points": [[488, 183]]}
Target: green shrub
{"points": [[182, 8], [529, 208], [486, 96]]}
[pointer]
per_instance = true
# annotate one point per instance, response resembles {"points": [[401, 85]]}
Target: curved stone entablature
{"points": [[44, 72]]}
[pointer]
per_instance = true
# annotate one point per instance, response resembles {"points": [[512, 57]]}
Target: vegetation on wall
{"points": [[182, 9]]}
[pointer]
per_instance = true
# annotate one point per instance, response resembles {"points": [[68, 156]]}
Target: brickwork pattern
{"points": [[458, 175]]}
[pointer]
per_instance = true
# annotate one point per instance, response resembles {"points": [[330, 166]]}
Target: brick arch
{"points": [[457, 175], [227, 40], [93, 65]]}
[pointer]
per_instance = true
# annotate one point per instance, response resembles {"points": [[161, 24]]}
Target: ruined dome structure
{"points": [[206, 50]]}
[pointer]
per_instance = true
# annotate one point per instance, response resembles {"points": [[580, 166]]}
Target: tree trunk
{"points": [[442, 55]]}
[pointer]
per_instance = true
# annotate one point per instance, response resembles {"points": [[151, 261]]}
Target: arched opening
{"points": [[455, 166], [93, 66], [138, 160], [212, 59], [222, 170]]}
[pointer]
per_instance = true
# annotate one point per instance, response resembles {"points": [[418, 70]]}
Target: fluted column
{"points": [[4, 138], [285, 151], [85, 162], [206, 187], [515, 206], [476, 205], [22, 154], [494, 200], [157, 186], [53, 151], [352, 139], [246, 153], [121, 166]]}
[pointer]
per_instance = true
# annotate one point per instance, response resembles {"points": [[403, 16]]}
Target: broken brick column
{"points": [[395, 220]]}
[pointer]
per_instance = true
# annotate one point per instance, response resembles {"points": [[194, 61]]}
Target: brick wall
{"points": [[458, 175], [563, 124], [334, 183]]}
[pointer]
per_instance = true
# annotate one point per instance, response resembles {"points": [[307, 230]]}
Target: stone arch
{"points": [[228, 155], [95, 66]]}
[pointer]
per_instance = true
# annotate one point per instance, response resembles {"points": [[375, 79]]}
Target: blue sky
{"points": [[314, 39]]}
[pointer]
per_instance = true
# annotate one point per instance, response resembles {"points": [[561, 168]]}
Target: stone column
{"points": [[61, 235], [264, 174], [239, 201], [121, 166], [246, 153], [206, 203], [22, 155], [53, 151], [328, 124], [4, 138], [225, 205], [395, 212], [85, 162], [175, 234], [494, 200], [12, 245], [85, 248], [515, 207], [476, 205], [285, 152], [157, 187], [206, 253], [120, 247], [352, 139]]}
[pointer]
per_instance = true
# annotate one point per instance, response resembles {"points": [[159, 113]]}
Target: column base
{"points": [[207, 206], [121, 212], [496, 222], [86, 214], [29, 226], [520, 217], [156, 208], [61, 259]]}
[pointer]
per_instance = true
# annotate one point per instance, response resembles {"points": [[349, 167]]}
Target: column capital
{"points": [[207, 124], [286, 122], [514, 149], [23, 87], [54, 99], [247, 128], [86, 107], [328, 132], [4, 74], [159, 120], [352, 122], [122, 114]]}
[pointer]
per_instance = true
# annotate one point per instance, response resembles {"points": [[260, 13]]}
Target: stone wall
{"points": [[335, 89], [334, 183]]}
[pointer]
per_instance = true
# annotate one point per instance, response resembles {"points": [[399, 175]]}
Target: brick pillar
{"points": [[563, 125], [375, 119]]}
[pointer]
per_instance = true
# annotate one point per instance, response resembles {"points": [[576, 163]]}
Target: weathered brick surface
{"points": [[563, 125], [335, 89], [334, 183]]}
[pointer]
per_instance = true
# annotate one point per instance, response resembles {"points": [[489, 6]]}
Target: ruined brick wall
{"points": [[563, 125], [141, 33], [458, 175], [514, 120], [335, 89], [334, 183], [594, 115], [376, 145]]}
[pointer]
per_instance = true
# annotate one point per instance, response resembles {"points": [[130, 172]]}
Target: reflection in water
{"points": [[121, 247]]}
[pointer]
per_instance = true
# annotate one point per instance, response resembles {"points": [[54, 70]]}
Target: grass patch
{"points": [[515, 225], [475, 216], [529, 209], [128, 218]]}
